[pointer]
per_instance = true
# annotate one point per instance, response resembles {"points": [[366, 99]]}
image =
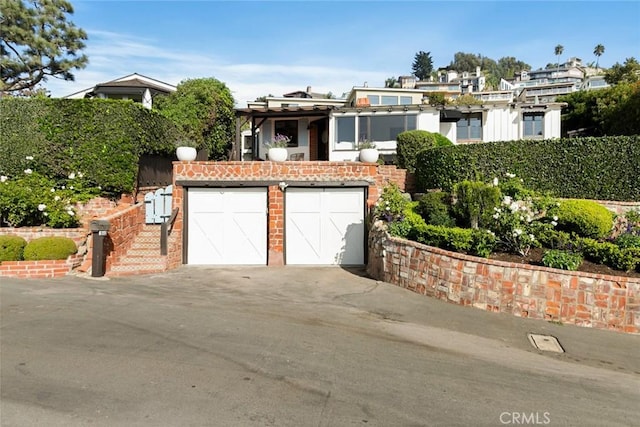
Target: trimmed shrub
{"points": [[551, 238], [627, 240], [408, 226], [611, 255], [12, 248], [475, 202], [586, 218], [562, 259], [103, 139], [411, 142], [435, 208], [49, 248], [605, 168], [450, 238], [483, 243]]}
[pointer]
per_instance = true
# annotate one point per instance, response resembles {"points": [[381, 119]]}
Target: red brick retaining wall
{"points": [[39, 269], [583, 299], [78, 235], [124, 227]]}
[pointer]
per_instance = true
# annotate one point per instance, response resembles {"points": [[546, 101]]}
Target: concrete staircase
{"points": [[143, 257]]}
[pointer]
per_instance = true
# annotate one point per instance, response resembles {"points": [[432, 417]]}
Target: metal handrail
{"points": [[165, 229]]}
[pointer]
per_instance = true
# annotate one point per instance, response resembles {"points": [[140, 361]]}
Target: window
{"points": [[346, 129], [389, 100], [469, 127], [384, 128], [405, 100], [374, 99], [533, 125], [288, 128]]}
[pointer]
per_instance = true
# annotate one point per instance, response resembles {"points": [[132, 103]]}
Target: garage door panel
{"points": [[305, 229], [325, 226], [227, 226]]}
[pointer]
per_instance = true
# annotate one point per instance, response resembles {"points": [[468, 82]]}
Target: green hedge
{"points": [[604, 168], [410, 142], [103, 139], [49, 248], [12, 247]]}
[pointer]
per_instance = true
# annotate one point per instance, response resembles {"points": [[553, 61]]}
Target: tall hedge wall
{"points": [[103, 139], [606, 168]]}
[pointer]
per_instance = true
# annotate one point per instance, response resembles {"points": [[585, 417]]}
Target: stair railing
{"points": [[165, 230]]}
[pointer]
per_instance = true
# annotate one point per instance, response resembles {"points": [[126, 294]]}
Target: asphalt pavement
{"points": [[293, 346]]}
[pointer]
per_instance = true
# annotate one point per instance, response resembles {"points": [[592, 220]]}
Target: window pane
{"points": [[412, 122], [405, 100], [346, 129], [386, 128], [288, 128], [470, 126], [374, 99], [389, 100], [363, 128], [475, 126], [533, 124]]}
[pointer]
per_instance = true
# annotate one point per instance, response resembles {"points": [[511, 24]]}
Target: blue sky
{"points": [[273, 47]]}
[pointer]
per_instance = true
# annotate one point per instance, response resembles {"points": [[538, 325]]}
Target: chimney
{"points": [[478, 71], [308, 89]]}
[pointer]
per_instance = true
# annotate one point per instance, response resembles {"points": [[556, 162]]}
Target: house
{"points": [[545, 85], [134, 86], [330, 129]]}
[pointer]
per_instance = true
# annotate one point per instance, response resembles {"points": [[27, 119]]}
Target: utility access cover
{"points": [[545, 343]]}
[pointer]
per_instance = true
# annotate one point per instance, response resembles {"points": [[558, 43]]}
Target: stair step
{"points": [[155, 246], [143, 257], [130, 271]]}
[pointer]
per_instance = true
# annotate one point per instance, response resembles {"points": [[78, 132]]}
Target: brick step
{"points": [[137, 245], [153, 255], [142, 253], [126, 270]]}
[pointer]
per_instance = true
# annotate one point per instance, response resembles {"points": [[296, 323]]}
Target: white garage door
{"points": [[324, 226], [227, 226]]}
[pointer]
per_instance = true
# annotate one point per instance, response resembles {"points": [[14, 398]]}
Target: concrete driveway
{"points": [[293, 347]]}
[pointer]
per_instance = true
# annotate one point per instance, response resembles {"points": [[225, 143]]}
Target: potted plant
{"points": [[186, 150], [368, 151], [277, 149]]}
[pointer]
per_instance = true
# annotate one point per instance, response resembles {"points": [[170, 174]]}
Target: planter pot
{"points": [[186, 154], [369, 155], [278, 154]]}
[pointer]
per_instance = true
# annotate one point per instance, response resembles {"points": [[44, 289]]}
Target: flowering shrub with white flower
{"points": [[520, 215], [33, 199], [392, 204]]}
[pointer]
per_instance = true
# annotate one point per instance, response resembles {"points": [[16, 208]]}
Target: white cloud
{"points": [[115, 55]]}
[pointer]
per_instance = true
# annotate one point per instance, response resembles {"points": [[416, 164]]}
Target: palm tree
{"points": [[559, 50], [598, 51]]}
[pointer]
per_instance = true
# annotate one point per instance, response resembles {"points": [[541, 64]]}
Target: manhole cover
{"points": [[545, 343]]}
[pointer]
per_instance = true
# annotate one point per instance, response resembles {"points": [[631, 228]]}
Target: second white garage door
{"points": [[324, 226], [227, 226]]}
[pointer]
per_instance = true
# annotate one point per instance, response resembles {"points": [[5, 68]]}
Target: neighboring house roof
{"points": [[305, 94], [136, 82]]}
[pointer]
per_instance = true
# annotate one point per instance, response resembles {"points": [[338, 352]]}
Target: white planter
{"points": [[369, 155], [186, 154], [278, 154]]}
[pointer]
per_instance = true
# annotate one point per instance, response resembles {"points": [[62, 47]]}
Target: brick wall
{"points": [[124, 226], [583, 299], [39, 269], [78, 235]]}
